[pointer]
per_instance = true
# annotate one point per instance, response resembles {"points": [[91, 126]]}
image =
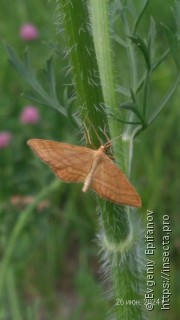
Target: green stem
{"points": [[101, 36], [22, 221], [165, 100], [13, 297], [117, 232], [84, 67], [127, 137]]}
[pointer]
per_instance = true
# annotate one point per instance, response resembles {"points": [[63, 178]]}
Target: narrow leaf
{"points": [[140, 43], [174, 45]]}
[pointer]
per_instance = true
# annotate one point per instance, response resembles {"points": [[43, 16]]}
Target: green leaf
{"points": [[51, 78], [138, 19], [174, 45], [142, 46], [165, 99], [176, 14], [115, 116], [151, 38], [132, 106], [123, 90], [26, 71], [119, 40]]}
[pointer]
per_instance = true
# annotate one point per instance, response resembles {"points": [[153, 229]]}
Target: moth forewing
{"points": [[93, 167]]}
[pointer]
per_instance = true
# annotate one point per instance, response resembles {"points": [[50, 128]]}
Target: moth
{"points": [[93, 168]]}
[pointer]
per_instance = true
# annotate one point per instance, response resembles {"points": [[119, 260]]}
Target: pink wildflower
{"points": [[30, 115], [29, 32], [5, 138]]}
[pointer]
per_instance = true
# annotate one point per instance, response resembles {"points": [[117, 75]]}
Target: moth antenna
{"points": [[109, 142]]}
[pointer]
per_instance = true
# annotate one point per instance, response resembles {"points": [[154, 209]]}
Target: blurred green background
{"points": [[54, 270]]}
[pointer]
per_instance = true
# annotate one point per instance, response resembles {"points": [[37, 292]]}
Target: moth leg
{"points": [[95, 131], [88, 139], [108, 143]]}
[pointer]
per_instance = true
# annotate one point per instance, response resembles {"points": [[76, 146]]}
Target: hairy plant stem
{"points": [[117, 238], [80, 48], [117, 228]]}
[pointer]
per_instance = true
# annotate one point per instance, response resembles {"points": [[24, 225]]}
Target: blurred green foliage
{"points": [[54, 268]]}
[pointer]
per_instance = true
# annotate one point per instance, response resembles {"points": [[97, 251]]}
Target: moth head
{"points": [[103, 148]]}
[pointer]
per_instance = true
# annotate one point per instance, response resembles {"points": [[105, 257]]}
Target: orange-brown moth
{"points": [[92, 167]]}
